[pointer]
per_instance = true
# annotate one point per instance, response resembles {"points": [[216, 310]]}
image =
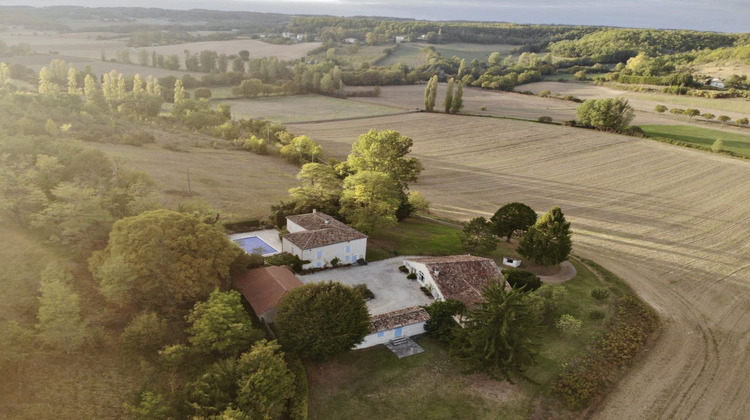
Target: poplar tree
{"points": [[448, 102], [458, 101]]}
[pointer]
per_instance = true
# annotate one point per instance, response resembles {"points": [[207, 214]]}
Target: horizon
{"points": [[718, 16]]}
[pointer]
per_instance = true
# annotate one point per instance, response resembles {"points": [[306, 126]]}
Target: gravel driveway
{"points": [[392, 289]]}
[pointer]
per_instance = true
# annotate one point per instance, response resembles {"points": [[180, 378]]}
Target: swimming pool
{"points": [[255, 245]]}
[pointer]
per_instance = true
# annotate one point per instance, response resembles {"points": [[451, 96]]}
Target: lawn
{"points": [[692, 134], [300, 108]]}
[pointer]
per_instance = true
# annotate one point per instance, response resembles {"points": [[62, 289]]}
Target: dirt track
{"points": [[673, 222]]}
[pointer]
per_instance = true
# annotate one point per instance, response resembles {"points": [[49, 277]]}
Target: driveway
{"points": [[392, 289]]}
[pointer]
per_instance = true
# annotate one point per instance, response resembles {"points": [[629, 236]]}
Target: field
{"points": [[286, 109], [735, 142], [412, 54], [673, 222], [257, 49]]}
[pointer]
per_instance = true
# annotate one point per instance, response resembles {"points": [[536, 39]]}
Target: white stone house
{"points": [[717, 83], [460, 277], [405, 322], [400, 38], [351, 40], [320, 238]]}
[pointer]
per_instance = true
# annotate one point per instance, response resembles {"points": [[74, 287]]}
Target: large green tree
{"points": [[501, 335], [385, 151], [60, 324], [369, 201], [221, 325], [548, 241], [512, 218], [430, 93], [477, 236], [612, 114], [448, 101], [163, 260], [321, 188], [319, 320]]}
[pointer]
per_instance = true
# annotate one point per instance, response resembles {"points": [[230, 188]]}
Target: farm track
{"points": [[673, 222]]}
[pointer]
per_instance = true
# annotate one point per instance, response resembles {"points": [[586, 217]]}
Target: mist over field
{"points": [[719, 16]]}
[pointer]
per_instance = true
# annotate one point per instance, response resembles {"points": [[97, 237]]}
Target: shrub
{"points": [[569, 123], [403, 269], [441, 324], [298, 402], [335, 262], [569, 325], [426, 291], [596, 314], [600, 293], [545, 93], [522, 279], [202, 93], [363, 290], [483, 108], [411, 276], [545, 119], [287, 259]]}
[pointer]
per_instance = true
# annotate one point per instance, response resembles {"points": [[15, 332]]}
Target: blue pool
{"points": [[255, 245]]}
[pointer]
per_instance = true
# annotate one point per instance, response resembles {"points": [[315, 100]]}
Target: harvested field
{"points": [[673, 222], [80, 44], [257, 49], [288, 109]]}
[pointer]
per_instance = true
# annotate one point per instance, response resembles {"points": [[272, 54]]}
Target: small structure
{"points": [[351, 40], [512, 262], [386, 327], [717, 83], [319, 238], [264, 287], [460, 277], [400, 39]]}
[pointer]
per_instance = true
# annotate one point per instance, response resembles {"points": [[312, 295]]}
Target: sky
{"points": [[704, 15]]}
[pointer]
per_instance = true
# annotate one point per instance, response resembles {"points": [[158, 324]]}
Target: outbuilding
{"points": [[264, 287], [406, 322]]}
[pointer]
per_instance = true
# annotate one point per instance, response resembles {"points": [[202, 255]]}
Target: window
{"points": [[399, 332], [348, 249], [320, 254], [346, 258], [381, 334], [320, 264]]}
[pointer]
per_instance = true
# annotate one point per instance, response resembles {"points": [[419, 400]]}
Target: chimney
{"points": [[327, 221], [314, 211], [437, 272]]}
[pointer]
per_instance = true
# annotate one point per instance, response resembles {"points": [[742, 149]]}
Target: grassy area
{"points": [[289, 109], [692, 134], [473, 51], [409, 54], [729, 105], [374, 383]]}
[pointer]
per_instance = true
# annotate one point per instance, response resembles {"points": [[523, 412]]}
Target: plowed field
{"points": [[673, 222]]}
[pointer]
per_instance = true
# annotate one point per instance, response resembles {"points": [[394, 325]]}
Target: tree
{"points": [[221, 325], [385, 151], [179, 92], [677, 111], [441, 325], [163, 260], [512, 218], [477, 236], [321, 188], [369, 201], [708, 116], [501, 335], [742, 121], [660, 109], [548, 241], [145, 334], [448, 101], [430, 94], [458, 101], [319, 320], [4, 73], [580, 75], [613, 114], [60, 325], [724, 119], [150, 407], [717, 145], [302, 149], [691, 112], [522, 279], [202, 93]]}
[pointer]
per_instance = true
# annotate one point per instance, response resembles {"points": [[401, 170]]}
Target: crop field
{"points": [[81, 44], [237, 183], [256, 48], [735, 142], [412, 54], [286, 109], [674, 223]]}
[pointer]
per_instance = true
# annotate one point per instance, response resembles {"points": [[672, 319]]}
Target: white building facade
{"points": [[321, 239], [407, 322]]}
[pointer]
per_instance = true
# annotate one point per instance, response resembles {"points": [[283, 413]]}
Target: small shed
{"points": [[385, 327], [512, 262], [264, 287]]}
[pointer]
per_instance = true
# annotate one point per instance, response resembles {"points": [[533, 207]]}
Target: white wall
{"points": [[293, 227], [377, 338], [425, 279], [322, 256]]}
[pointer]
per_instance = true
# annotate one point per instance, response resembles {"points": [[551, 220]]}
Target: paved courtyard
{"points": [[392, 289]]}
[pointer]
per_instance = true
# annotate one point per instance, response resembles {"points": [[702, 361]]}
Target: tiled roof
{"points": [[461, 277], [400, 318], [264, 287], [321, 230]]}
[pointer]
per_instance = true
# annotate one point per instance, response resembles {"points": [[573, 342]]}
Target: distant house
{"points": [[717, 83], [405, 322], [320, 238], [400, 39], [351, 40], [264, 287], [460, 277]]}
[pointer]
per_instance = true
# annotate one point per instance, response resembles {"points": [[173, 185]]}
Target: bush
{"points": [[411, 276], [298, 402], [335, 262], [569, 325], [403, 269], [596, 314], [287, 259], [600, 293], [522, 279], [569, 123], [545, 93], [427, 292], [545, 119], [363, 290], [441, 324], [202, 93]]}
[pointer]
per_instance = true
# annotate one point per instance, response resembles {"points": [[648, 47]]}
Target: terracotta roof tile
{"points": [[461, 277], [264, 287], [399, 318], [321, 230]]}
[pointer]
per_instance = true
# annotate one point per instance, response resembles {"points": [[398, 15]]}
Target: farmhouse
{"points": [[319, 238], [401, 323], [264, 287], [460, 277], [717, 83]]}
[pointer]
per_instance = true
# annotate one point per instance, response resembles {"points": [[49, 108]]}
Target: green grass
{"points": [[692, 134], [412, 54], [676, 101], [409, 54], [289, 109], [217, 92], [373, 384]]}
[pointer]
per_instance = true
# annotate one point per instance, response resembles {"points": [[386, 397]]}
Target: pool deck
{"points": [[269, 236]]}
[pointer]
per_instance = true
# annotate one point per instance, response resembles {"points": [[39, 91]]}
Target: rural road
{"points": [[674, 223]]}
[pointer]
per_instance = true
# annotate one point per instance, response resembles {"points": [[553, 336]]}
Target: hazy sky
{"points": [[716, 15]]}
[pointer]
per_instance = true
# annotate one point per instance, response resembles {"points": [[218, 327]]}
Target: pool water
{"points": [[255, 245]]}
